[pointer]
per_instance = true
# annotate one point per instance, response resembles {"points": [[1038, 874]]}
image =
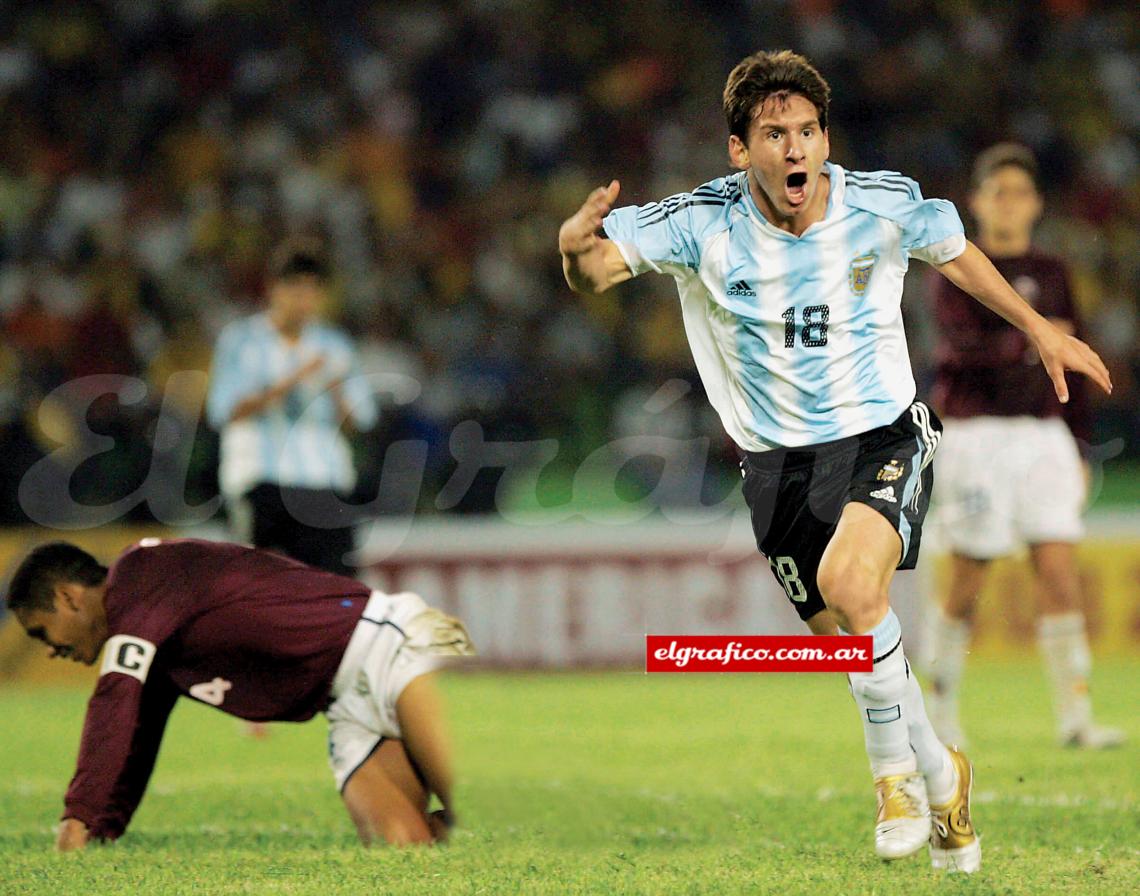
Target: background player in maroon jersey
{"points": [[261, 637], [1010, 469]]}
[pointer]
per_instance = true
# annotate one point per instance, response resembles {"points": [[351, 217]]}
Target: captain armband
{"points": [[128, 654]]}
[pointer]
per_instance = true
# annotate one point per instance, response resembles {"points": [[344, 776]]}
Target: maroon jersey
{"points": [[257, 635], [986, 366]]}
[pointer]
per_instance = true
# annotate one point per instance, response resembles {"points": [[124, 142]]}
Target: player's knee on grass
{"points": [[405, 831], [393, 824], [386, 799]]}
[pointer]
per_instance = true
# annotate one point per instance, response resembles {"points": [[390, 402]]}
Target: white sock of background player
{"points": [[946, 646], [1068, 660], [930, 753]]}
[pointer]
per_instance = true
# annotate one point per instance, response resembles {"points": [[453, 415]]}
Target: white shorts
{"points": [[1005, 481], [398, 638]]}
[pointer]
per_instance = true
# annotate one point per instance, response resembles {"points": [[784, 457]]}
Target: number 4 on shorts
{"points": [[789, 576]]}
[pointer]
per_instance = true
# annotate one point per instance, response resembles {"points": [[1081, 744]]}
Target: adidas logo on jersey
{"points": [[885, 494], [740, 288]]}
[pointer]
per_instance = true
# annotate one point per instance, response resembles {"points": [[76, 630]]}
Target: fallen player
{"points": [[261, 637]]}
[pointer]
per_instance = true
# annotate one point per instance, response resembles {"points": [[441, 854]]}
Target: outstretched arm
{"points": [[121, 736], [975, 274], [590, 262]]}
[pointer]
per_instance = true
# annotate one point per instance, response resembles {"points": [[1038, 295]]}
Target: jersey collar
{"points": [[836, 192]]}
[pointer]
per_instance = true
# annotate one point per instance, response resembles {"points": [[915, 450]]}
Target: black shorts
{"points": [[797, 494], [273, 525]]}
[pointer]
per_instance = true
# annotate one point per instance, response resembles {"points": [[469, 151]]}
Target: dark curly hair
{"points": [[765, 74]]}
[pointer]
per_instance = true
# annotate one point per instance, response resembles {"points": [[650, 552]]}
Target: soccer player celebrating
{"points": [[261, 637], [1010, 468], [790, 276]]}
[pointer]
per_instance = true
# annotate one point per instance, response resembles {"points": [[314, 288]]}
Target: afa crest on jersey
{"points": [[860, 273], [890, 472]]}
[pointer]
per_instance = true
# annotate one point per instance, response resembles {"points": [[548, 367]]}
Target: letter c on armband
{"points": [[128, 654]]}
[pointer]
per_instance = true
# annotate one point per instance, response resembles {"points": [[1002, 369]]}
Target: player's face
{"points": [[784, 156], [72, 631], [1007, 204], [295, 301]]}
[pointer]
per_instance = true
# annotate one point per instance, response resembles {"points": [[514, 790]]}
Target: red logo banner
{"points": [[758, 653]]}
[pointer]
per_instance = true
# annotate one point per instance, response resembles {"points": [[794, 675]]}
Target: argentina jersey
{"points": [[297, 441], [798, 340]]}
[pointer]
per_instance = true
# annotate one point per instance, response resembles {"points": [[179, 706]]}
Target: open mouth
{"points": [[796, 187]]}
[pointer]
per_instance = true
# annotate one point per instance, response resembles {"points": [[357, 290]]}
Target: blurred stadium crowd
{"points": [[153, 152]]}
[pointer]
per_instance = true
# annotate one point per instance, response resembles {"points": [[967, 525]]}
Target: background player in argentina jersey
{"points": [[1009, 465], [283, 388], [790, 277], [261, 637]]}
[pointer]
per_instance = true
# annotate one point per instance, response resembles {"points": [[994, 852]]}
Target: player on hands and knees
{"points": [[261, 637], [1010, 468], [790, 279]]}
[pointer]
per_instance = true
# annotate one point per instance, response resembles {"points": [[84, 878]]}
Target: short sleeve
{"points": [[670, 233], [933, 232], [931, 229], [653, 235]]}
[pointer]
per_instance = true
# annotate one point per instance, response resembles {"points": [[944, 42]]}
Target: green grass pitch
{"points": [[603, 783]]}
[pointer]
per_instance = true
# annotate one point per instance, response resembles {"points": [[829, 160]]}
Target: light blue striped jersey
{"points": [[297, 441], [798, 340]]}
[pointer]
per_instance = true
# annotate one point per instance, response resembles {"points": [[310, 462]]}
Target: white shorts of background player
{"points": [[1001, 482]]}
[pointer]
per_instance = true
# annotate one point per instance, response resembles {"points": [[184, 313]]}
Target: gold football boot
{"points": [[954, 844], [902, 824]]}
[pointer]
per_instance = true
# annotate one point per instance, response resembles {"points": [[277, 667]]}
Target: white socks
{"points": [[933, 758], [897, 733], [1065, 648], [947, 642], [879, 694]]}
